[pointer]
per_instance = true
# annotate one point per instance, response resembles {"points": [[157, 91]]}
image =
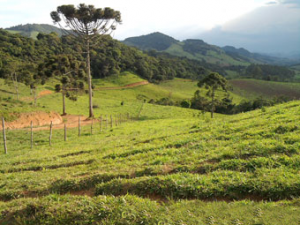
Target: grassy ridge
{"points": [[211, 56]]}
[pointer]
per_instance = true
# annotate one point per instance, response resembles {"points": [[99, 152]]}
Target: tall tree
{"points": [[213, 82], [88, 24]]}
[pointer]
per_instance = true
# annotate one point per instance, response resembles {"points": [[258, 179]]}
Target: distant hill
{"points": [[157, 41], [262, 58], [32, 30], [192, 49]]}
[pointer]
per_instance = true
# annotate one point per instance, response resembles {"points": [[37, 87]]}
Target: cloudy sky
{"points": [[139, 16], [215, 21]]}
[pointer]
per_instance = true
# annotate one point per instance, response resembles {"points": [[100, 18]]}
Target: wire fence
{"points": [[94, 125]]}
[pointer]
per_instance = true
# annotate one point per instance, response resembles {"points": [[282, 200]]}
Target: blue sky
{"points": [[139, 17]]}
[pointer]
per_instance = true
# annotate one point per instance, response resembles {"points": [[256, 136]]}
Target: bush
{"points": [[57, 88], [185, 104]]}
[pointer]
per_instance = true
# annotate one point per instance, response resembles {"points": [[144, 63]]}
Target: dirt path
{"points": [[141, 83], [41, 94]]}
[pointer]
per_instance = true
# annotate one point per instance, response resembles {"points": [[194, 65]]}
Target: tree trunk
{"points": [[88, 61]]}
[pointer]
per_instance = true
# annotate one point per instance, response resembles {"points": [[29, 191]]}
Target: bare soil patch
{"points": [[41, 94], [37, 118], [41, 121]]}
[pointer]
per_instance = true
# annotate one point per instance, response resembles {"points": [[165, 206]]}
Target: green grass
{"points": [[123, 79], [173, 166], [191, 164]]}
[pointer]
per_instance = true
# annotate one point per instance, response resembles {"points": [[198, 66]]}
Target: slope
{"points": [[201, 171], [250, 88]]}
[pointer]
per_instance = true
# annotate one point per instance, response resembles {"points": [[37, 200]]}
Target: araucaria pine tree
{"points": [[87, 24]]}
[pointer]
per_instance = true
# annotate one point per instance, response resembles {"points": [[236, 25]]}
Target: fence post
{"points": [[100, 123], [111, 121], [79, 128], [65, 132], [31, 129], [50, 136], [92, 126], [106, 122], [4, 136]]}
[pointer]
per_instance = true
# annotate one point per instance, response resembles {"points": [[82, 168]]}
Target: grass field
{"points": [[241, 169], [173, 166]]}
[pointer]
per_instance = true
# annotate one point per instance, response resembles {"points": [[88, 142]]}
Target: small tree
{"points": [[87, 24], [213, 82], [68, 69]]}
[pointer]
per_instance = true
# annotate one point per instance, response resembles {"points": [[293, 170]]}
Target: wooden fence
{"points": [[104, 122]]}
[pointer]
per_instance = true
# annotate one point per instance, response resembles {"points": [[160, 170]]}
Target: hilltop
{"points": [[32, 30]]}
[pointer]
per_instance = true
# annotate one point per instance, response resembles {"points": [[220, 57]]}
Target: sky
{"points": [[266, 26], [172, 17]]}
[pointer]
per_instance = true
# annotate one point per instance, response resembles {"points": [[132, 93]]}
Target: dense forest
{"points": [[26, 56]]}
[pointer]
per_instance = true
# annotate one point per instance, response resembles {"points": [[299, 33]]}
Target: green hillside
{"points": [[169, 168], [250, 88], [32, 30], [228, 61], [192, 49], [157, 41], [142, 159], [108, 101], [204, 52]]}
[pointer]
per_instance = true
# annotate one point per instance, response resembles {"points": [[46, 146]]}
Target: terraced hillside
{"points": [[241, 169]]}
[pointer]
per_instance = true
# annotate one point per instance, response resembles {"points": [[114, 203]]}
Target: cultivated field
{"points": [[249, 88]]}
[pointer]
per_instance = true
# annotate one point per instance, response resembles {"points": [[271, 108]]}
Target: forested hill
{"points": [[108, 57], [155, 41]]}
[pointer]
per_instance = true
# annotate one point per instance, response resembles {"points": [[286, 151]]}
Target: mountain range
{"points": [[199, 50]]}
